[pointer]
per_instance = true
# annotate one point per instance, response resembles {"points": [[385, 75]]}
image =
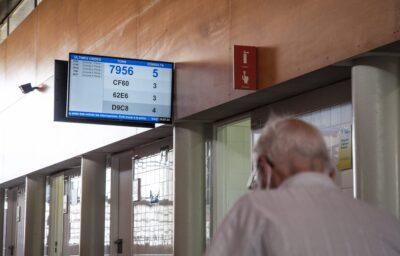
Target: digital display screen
{"points": [[118, 89]]}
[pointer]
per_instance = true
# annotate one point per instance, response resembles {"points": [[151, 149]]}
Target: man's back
{"points": [[306, 215]]}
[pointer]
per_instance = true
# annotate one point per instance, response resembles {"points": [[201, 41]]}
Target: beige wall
{"points": [[30, 140], [294, 37]]}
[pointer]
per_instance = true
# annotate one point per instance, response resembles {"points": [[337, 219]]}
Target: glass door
{"points": [[15, 219], [335, 124], [72, 212], [9, 217], [140, 201], [119, 202], [233, 165], [153, 200], [228, 170], [64, 214], [20, 221], [4, 247], [54, 223]]}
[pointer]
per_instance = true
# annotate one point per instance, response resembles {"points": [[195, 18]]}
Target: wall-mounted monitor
{"points": [[109, 89]]}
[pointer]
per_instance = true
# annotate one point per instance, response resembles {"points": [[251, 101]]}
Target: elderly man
{"points": [[304, 213]]}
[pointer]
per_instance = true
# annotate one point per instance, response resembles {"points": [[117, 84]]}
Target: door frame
{"points": [[15, 229], [215, 174], [10, 227], [66, 207], [59, 222], [121, 206], [122, 169], [56, 222]]}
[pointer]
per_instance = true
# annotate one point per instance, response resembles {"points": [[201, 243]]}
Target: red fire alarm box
{"points": [[245, 67]]}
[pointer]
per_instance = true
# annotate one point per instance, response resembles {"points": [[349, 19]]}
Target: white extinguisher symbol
{"points": [[245, 53], [245, 77]]}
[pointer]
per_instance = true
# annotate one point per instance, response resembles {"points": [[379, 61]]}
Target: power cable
{"points": [[12, 104]]}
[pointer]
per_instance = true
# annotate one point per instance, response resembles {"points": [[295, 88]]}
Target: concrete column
{"points": [[1, 219], [35, 189], [93, 204], [376, 98], [189, 147]]}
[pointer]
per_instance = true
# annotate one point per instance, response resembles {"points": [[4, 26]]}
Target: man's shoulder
{"points": [[378, 218], [286, 214], [278, 199], [257, 202], [247, 215], [270, 203]]}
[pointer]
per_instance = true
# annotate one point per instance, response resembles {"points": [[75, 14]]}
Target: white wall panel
{"points": [[31, 140]]}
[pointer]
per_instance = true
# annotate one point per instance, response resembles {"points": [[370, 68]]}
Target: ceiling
{"points": [[6, 7]]}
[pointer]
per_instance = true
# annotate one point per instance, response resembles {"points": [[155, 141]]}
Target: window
{"points": [[335, 125], [3, 31], [153, 209], [233, 166], [4, 223], [22, 11], [72, 214], [47, 218], [64, 213], [13, 18], [107, 216], [208, 191]]}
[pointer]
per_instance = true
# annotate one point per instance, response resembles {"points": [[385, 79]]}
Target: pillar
{"points": [[2, 194], [189, 147], [375, 99], [93, 172], [35, 189]]}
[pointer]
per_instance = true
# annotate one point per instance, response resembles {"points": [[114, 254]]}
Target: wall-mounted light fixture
{"points": [[27, 88]]}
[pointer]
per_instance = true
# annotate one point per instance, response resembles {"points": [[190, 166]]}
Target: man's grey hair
{"points": [[287, 140]]}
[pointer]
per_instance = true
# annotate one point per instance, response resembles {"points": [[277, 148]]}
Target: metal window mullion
{"points": [[8, 26]]}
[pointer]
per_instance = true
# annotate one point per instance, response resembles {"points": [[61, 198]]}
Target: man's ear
{"points": [[332, 174], [263, 169]]}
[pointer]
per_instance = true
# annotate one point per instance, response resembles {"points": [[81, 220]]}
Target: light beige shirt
{"points": [[306, 215]]}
